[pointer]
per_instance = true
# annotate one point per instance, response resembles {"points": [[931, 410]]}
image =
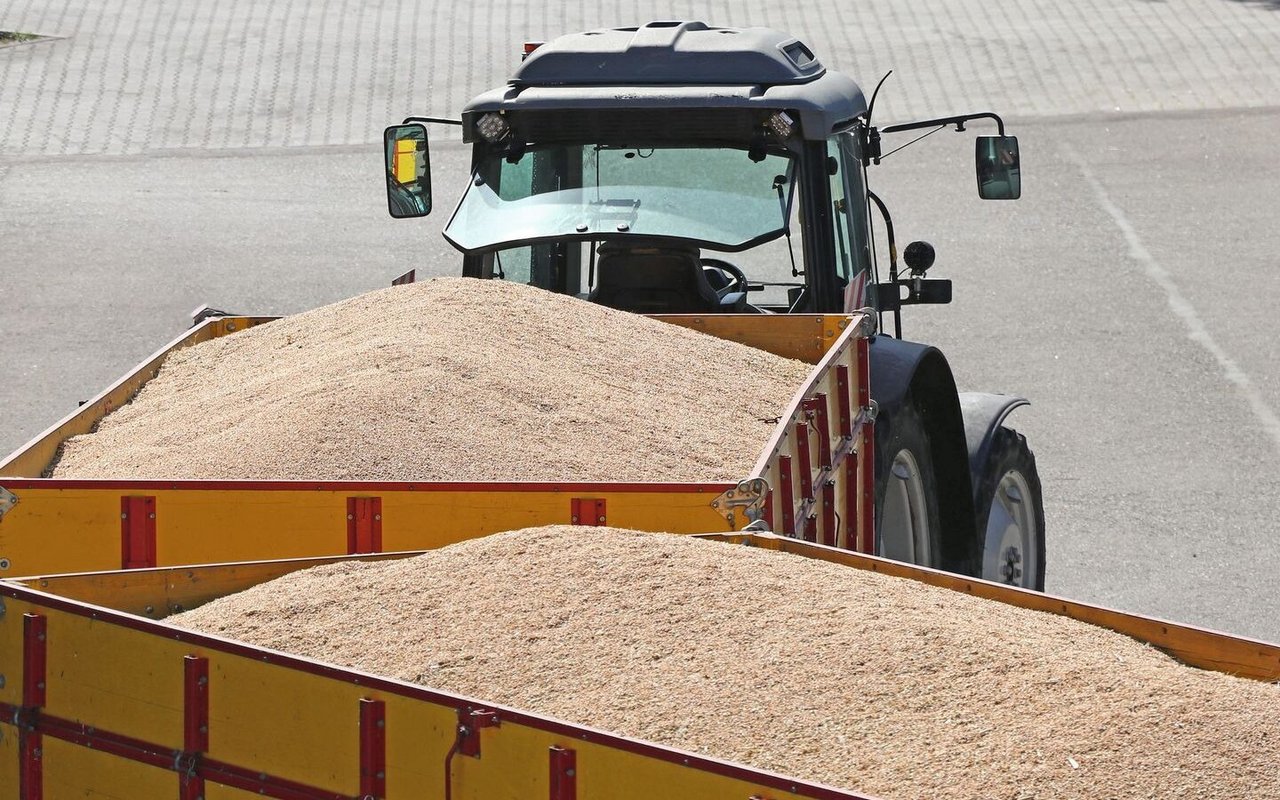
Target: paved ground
{"points": [[132, 76], [161, 155]]}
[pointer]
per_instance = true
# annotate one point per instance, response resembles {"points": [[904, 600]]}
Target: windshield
{"points": [[720, 198]]}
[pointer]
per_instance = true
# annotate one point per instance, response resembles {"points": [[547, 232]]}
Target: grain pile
{"points": [[802, 667], [451, 379]]}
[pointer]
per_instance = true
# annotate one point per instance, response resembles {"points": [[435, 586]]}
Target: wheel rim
{"points": [[1010, 550], [904, 519]]}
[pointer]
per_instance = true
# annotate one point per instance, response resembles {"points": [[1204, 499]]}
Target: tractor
{"points": [[681, 168]]}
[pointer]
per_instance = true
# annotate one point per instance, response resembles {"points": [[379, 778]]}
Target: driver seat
{"points": [[653, 279]]}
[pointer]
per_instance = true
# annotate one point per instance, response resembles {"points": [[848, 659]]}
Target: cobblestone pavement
{"points": [[130, 77]]}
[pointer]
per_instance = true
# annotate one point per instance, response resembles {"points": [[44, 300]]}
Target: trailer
{"points": [[680, 167], [812, 481], [99, 698]]}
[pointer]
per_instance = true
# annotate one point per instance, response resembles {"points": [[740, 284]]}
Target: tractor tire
{"points": [[1010, 514], [908, 526]]}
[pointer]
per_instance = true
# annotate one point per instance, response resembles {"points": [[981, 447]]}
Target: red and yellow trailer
{"points": [[100, 700], [814, 480], [100, 697]]}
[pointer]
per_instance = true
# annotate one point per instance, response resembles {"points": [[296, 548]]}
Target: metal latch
{"points": [[7, 501], [749, 495]]}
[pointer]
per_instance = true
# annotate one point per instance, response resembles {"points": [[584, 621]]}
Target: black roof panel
{"points": [[665, 66], [662, 53]]}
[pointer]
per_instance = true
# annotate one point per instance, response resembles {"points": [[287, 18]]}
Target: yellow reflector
{"points": [[406, 161]]}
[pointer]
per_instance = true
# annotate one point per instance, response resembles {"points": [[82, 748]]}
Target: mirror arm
{"points": [[958, 121], [458, 122]]}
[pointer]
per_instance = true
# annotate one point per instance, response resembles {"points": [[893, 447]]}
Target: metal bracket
{"points": [[203, 312], [870, 411], [7, 501], [470, 721], [748, 495], [868, 321]]}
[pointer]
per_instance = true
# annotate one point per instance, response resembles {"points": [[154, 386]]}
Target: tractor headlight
{"points": [[493, 127], [781, 124]]}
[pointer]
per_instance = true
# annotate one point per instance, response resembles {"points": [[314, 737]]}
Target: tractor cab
{"points": [[667, 168]]}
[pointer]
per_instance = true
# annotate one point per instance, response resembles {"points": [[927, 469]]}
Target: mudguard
{"points": [[900, 369], [983, 415]]}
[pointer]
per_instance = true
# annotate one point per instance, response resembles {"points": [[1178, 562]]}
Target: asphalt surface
{"points": [[150, 163]]}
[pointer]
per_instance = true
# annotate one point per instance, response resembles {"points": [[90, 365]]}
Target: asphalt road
{"points": [[1128, 296]]}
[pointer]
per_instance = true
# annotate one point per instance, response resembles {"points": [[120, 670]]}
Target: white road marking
{"points": [[1197, 331]]}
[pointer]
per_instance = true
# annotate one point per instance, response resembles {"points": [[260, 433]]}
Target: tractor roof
{"points": [[679, 65]]}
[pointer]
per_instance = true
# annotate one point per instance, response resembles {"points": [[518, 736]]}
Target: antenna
{"points": [[872, 105]]}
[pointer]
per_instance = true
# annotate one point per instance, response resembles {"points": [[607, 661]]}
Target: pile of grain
{"points": [[451, 379], [802, 667]]}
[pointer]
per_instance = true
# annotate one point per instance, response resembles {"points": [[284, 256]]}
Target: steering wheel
{"points": [[724, 277]]}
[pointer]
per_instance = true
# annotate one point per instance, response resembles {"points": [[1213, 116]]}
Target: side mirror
{"points": [[408, 171], [998, 165]]}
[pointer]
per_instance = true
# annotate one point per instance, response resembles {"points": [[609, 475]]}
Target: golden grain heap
{"points": [[451, 379], [802, 667]]}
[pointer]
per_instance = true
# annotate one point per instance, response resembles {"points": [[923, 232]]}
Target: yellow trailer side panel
{"points": [[67, 765], [77, 526], [158, 592], [99, 679], [303, 725], [9, 760], [804, 337], [122, 702]]}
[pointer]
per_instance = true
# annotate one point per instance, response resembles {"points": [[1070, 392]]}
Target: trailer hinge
{"points": [[7, 501], [749, 495]]}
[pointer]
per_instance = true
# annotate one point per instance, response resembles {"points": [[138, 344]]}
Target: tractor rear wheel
{"points": [[907, 518], [1010, 514]]}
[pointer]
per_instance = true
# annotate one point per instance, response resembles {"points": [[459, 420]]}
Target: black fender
{"points": [[983, 415], [899, 369]]}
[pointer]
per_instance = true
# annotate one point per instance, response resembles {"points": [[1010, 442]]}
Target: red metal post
{"points": [[829, 512], [373, 748], [806, 461], [845, 404], [34, 648], [564, 774], [852, 503], [195, 726], [868, 506], [587, 511], [30, 741], [786, 496], [31, 775], [816, 407], [867, 452], [195, 706], [364, 524], [137, 532]]}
